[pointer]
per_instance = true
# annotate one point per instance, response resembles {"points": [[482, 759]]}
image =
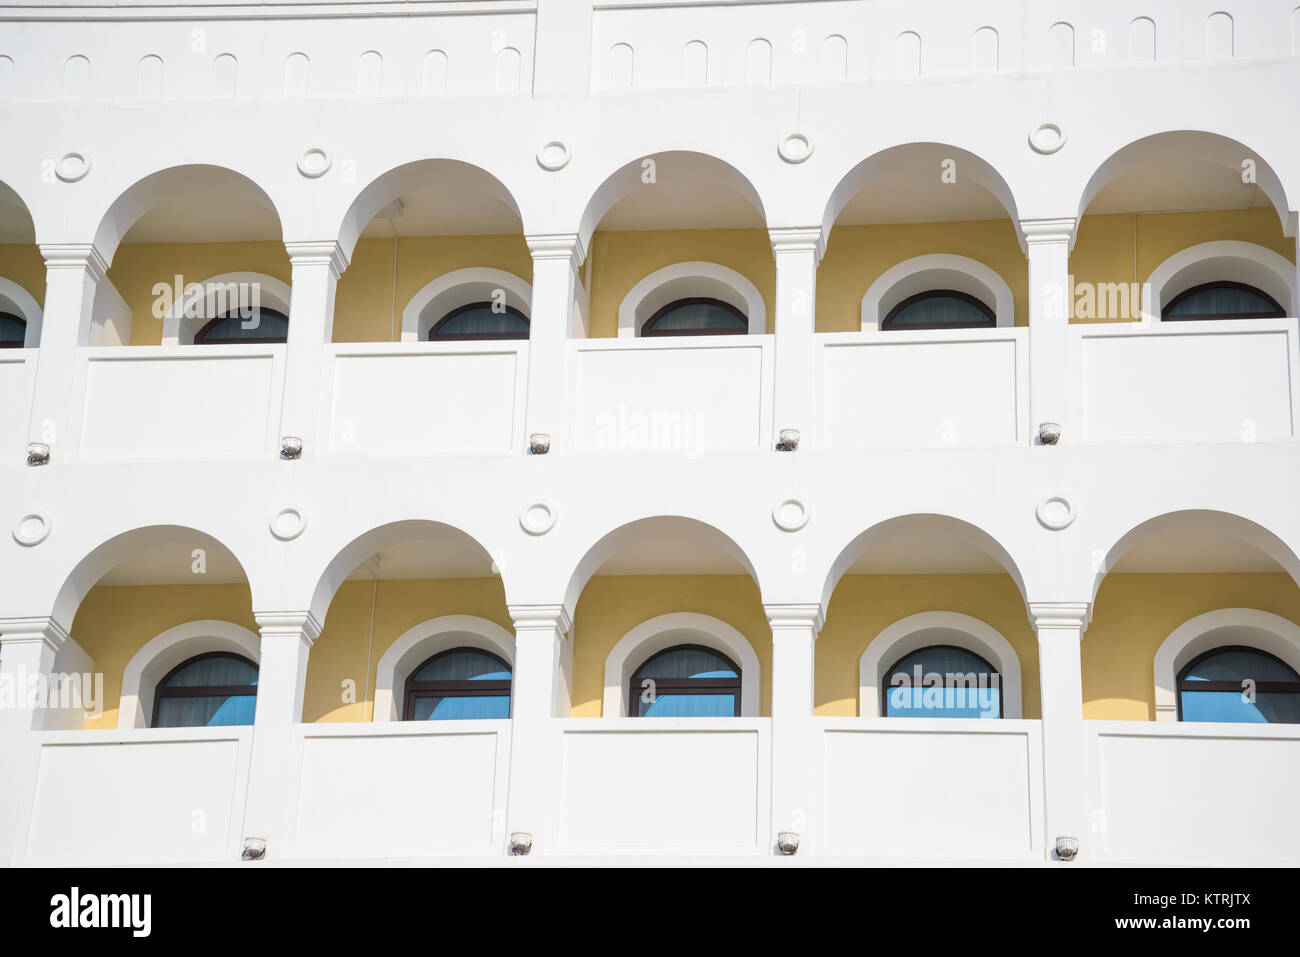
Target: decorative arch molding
{"points": [[460, 288], [164, 652], [685, 280], [416, 645], [930, 628], [1225, 626], [14, 297], [1228, 259], [663, 632], [937, 271], [219, 296]]}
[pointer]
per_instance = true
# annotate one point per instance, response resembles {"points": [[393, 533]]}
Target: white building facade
{"points": [[1086, 489]]}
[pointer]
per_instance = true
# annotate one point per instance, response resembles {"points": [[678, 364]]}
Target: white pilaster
{"points": [[562, 51], [1048, 244], [794, 635], [287, 638], [797, 251], [72, 274], [539, 694], [316, 270], [556, 259], [1060, 627]]}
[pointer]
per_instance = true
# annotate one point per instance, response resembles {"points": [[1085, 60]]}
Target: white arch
{"points": [[164, 652], [930, 628], [459, 288], [180, 329], [665, 631], [428, 638], [1225, 626], [686, 279], [937, 271], [1223, 260], [18, 299]]}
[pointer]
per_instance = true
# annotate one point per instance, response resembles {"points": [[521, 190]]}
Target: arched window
{"points": [[1223, 300], [481, 320], [942, 681], [460, 683], [940, 309], [216, 689], [1239, 684], [697, 317], [13, 331], [687, 681], [270, 326]]}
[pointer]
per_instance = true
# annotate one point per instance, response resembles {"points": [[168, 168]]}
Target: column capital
{"points": [[75, 256], [557, 246], [292, 624], [796, 239], [1043, 231], [1060, 615], [38, 630], [800, 615], [324, 252], [541, 616]]}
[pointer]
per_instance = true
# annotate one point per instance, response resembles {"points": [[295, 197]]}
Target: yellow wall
{"points": [[22, 263], [856, 256], [1127, 247]]}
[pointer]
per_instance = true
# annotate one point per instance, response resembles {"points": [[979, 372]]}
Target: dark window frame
{"points": [[1277, 311], [990, 321], [476, 336], [469, 688], [199, 339], [649, 331], [886, 687], [1181, 683], [161, 690], [730, 686], [19, 319]]}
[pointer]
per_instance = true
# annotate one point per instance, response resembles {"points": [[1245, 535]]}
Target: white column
{"points": [[797, 252], [794, 635], [72, 274], [287, 638], [28, 647], [539, 693], [1048, 242], [556, 259], [316, 270], [1060, 628]]}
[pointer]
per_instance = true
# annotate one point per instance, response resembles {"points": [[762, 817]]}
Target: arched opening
{"points": [[22, 275]]}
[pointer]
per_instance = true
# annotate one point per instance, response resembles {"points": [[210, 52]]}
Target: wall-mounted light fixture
{"points": [[38, 453], [254, 849], [787, 842], [291, 447], [1049, 433], [788, 440], [521, 842], [539, 443], [1067, 848]]}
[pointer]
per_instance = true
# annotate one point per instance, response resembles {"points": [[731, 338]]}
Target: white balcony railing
{"points": [[17, 380]]}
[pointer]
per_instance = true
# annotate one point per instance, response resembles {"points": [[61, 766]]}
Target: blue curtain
{"points": [[687, 663], [199, 712], [670, 705], [212, 672], [943, 682], [1239, 665], [463, 665], [442, 708]]}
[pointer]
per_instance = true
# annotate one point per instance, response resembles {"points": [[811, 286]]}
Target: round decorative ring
{"points": [[32, 529], [72, 167], [315, 162], [537, 519], [554, 155], [796, 147], [288, 523], [1056, 512], [1047, 138], [791, 515]]}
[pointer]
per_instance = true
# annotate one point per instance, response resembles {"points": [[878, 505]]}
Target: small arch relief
{"points": [[907, 54], [622, 60], [225, 76], [758, 62], [509, 70], [1142, 40], [370, 74], [1060, 46], [835, 58], [6, 77], [985, 50], [433, 74], [695, 63], [1219, 36], [149, 81], [297, 74], [76, 78]]}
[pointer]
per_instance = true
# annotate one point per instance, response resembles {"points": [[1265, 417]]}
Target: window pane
{"points": [[220, 670], [939, 310], [1239, 665], [709, 314], [944, 702], [199, 712], [1267, 708], [943, 682], [262, 324], [463, 665], [12, 329], [444, 708], [688, 706], [481, 320], [687, 663], [1222, 301]]}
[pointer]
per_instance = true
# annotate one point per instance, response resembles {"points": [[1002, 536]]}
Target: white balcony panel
{"points": [[926, 388], [158, 796], [408, 399], [17, 379], [685, 393], [410, 790], [1195, 792], [178, 402], [1213, 381], [929, 787], [663, 785]]}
